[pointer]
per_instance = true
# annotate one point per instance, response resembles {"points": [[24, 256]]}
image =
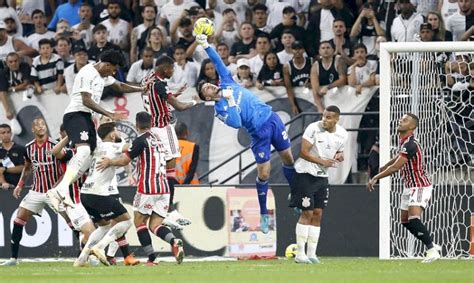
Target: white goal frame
{"points": [[385, 85]]}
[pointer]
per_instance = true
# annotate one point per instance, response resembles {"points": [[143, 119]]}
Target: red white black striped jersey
{"points": [[151, 165], [413, 172], [155, 101], [46, 168]]}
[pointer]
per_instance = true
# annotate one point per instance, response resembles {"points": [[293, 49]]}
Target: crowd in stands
{"points": [[318, 44]]}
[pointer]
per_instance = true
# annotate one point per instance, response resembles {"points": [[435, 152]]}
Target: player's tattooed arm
{"points": [[126, 87]]}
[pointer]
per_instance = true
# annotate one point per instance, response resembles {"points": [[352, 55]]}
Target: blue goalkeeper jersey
{"points": [[250, 112]]}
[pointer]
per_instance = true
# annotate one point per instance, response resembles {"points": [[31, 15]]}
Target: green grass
{"points": [[332, 270]]}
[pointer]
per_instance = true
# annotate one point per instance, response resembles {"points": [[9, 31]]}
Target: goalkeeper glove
{"points": [[227, 93], [202, 40]]}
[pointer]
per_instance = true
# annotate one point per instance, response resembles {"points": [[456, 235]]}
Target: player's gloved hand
{"points": [[227, 93], [202, 40]]}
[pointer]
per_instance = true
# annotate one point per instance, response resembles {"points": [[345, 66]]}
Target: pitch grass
{"points": [[331, 270]]}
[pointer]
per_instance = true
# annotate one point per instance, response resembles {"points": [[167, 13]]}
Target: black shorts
{"points": [[102, 207], [309, 192], [80, 128]]}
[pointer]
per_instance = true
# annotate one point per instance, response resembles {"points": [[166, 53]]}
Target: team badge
{"points": [[306, 202], [261, 154], [84, 136]]}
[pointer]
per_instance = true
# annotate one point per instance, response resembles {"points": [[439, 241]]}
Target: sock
{"points": [[262, 188], [171, 177], [165, 234], [419, 230], [145, 241], [313, 238], [74, 231], [73, 167], [112, 249], [302, 232], [289, 172], [17, 233], [94, 238], [123, 244], [117, 231]]}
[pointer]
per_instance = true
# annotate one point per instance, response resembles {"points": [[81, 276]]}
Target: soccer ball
{"points": [[204, 26], [290, 251]]}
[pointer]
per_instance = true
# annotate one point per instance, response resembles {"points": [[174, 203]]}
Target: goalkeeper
{"points": [[238, 107]]}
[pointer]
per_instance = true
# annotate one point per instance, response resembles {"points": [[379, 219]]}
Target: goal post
{"points": [[412, 79]]}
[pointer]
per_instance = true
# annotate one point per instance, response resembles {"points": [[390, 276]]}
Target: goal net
{"points": [[436, 82]]}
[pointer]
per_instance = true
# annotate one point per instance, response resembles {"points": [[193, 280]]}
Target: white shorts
{"points": [[167, 137], [78, 216], [416, 197], [35, 202], [148, 204]]}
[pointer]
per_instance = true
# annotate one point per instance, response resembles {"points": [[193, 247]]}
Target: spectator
{"points": [[207, 74], [227, 31], [13, 78], [344, 12], [296, 73], [240, 7], [276, 9], [425, 6], [85, 27], [406, 25], [9, 44], [149, 16], [456, 23], [185, 72], [11, 157], [63, 29], [186, 37], [47, 69], [223, 51], [426, 32], [362, 72], [439, 29], [244, 76], [63, 49], [287, 39], [320, 26], [186, 165], [40, 30], [271, 73], [80, 60], [367, 28], [449, 8], [288, 22], [8, 12], [260, 19], [262, 47], [245, 47], [118, 30], [342, 43], [69, 11], [156, 42], [142, 67], [11, 28], [100, 43], [328, 72], [172, 11]]}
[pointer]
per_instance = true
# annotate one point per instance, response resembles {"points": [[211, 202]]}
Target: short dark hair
{"points": [[63, 39], [147, 49], [45, 41], [164, 60], [199, 89], [339, 20], [105, 129], [331, 43], [113, 2], [11, 54], [113, 57], [36, 11], [180, 129], [185, 22], [143, 120], [288, 31], [260, 7], [222, 44], [415, 118], [228, 10], [334, 109], [85, 4], [359, 46], [179, 46], [263, 35], [3, 126], [99, 27]]}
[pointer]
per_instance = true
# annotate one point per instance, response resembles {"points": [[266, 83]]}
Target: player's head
{"points": [[39, 127], [408, 123], [165, 66], [5, 133], [181, 130], [110, 60], [208, 91], [330, 117], [143, 121], [108, 132]]}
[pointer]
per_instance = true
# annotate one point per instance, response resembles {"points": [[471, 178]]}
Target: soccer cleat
{"points": [[180, 219], [314, 260], [111, 260], [55, 200], [172, 224], [79, 263], [131, 260], [264, 222], [100, 255], [432, 254], [10, 262], [303, 259], [177, 250]]}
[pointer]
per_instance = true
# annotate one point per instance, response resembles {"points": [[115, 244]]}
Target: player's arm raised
{"points": [[89, 103], [127, 88], [221, 69], [57, 151], [391, 169]]}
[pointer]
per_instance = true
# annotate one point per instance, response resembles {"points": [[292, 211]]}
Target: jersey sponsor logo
{"points": [[306, 202], [148, 206], [84, 136]]}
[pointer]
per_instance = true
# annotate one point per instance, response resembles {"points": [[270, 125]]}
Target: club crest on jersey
{"points": [[84, 136], [261, 154], [306, 202], [128, 134]]}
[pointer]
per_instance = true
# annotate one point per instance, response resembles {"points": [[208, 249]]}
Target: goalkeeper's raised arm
{"points": [[224, 73]]}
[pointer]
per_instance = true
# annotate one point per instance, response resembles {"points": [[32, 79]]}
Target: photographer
{"points": [[366, 29]]}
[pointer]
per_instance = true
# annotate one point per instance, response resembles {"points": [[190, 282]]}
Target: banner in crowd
{"points": [[217, 141]]}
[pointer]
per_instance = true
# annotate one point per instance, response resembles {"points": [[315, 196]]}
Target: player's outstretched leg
{"points": [[117, 231], [94, 238], [145, 241], [176, 244], [262, 189]]}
